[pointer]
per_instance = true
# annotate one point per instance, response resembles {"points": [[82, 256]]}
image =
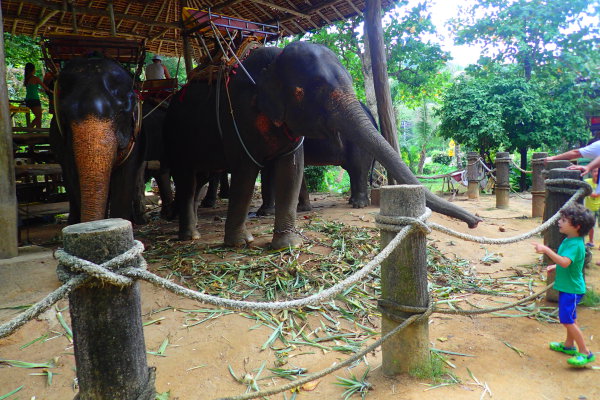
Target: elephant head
{"points": [[93, 131], [308, 90]]}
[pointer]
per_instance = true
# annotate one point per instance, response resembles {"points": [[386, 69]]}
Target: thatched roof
{"points": [[159, 21]]}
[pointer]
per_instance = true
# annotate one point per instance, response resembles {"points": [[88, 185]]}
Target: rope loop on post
{"points": [[105, 270], [395, 223]]}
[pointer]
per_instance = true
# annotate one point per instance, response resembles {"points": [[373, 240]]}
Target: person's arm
{"points": [[591, 166], [558, 259], [569, 155], [38, 81], [167, 75]]}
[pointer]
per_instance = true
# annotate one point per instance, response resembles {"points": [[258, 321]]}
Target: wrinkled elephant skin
{"points": [[300, 91]]}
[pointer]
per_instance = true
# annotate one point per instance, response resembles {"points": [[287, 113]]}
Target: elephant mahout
{"points": [[99, 140], [257, 115]]}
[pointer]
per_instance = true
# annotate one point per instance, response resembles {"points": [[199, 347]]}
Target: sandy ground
{"points": [[195, 366]]}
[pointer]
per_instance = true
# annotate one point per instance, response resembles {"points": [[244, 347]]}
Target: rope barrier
{"points": [[82, 271], [519, 168]]}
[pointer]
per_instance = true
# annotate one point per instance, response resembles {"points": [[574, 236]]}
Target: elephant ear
{"points": [[270, 99]]}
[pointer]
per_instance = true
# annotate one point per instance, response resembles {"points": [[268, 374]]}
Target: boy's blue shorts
{"points": [[567, 307]]}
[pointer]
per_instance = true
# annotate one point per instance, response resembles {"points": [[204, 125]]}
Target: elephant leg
{"points": [[224, 186], [163, 181], [267, 191], [287, 178], [210, 199], [303, 199], [240, 195], [125, 185], [139, 197], [359, 196], [202, 178], [185, 184]]}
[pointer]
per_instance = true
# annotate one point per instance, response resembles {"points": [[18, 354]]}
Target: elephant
{"points": [[257, 115], [97, 136], [342, 152]]}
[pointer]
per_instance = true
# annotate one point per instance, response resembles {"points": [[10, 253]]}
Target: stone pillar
{"points": [[473, 174], [556, 197], [108, 336], [404, 282], [502, 179], [538, 188]]}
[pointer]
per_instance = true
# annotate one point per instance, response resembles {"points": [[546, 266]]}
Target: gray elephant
{"points": [[301, 90], [99, 140], [343, 152]]}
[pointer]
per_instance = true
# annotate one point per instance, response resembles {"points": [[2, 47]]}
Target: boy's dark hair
{"points": [[579, 216]]}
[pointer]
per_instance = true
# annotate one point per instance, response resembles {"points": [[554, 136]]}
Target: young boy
{"points": [[575, 222]]}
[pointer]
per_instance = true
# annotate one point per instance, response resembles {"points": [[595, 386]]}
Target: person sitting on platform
{"points": [[157, 70], [32, 96]]}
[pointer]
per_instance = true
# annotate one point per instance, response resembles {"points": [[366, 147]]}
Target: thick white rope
{"points": [[519, 168]]}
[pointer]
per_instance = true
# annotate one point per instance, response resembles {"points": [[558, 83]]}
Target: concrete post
{"points": [[502, 179], [555, 199], [538, 188], [473, 174], [404, 282], [110, 352]]}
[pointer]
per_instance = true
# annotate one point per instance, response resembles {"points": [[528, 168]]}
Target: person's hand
{"points": [[539, 248], [583, 168], [550, 268], [551, 158]]}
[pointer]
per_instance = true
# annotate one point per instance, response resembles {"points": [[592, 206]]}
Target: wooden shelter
{"points": [[159, 21], [160, 24]]}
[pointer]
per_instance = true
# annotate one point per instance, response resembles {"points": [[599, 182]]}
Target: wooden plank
{"points": [[31, 138], [37, 169], [43, 209]]}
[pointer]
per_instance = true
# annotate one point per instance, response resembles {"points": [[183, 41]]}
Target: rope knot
{"points": [[108, 271], [395, 223]]}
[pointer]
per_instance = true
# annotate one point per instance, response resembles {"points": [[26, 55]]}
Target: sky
{"points": [[441, 12]]}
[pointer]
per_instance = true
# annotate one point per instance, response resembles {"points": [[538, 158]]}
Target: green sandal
{"points": [[581, 360], [560, 347]]}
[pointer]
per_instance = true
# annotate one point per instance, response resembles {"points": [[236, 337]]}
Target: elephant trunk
{"points": [[95, 149], [349, 118]]}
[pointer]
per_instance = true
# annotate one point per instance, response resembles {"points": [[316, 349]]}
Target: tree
{"points": [[550, 47]]}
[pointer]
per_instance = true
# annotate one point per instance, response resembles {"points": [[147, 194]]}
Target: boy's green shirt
{"points": [[570, 279]]}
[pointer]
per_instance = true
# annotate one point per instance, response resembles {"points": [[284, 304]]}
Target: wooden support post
{"points": [[502, 179], [538, 188], [8, 193], [385, 108], [404, 282], [554, 201], [187, 46], [108, 336], [473, 174], [111, 14]]}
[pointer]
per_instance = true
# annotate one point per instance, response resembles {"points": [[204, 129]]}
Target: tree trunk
{"points": [[367, 70], [422, 159]]}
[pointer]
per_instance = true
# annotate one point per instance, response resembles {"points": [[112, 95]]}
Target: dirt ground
{"points": [[195, 365]]}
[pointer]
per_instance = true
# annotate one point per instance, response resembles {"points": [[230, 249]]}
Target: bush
{"points": [[440, 157], [315, 178]]}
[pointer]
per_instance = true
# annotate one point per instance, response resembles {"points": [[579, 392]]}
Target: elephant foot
{"points": [[168, 212], [239, 239], [285, 240], [208, 203], [140, 219], [262, 211], [194, 234], [303, 207], [359, 201]]}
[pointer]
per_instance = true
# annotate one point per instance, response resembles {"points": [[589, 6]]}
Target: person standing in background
{"points": [[32, 95], [157, 70]]}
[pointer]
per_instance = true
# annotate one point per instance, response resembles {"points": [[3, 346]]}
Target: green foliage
{"points": [[591, 299], [441, 157], [355, 385], [433, 370], [315, 178], [20, 49]]}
